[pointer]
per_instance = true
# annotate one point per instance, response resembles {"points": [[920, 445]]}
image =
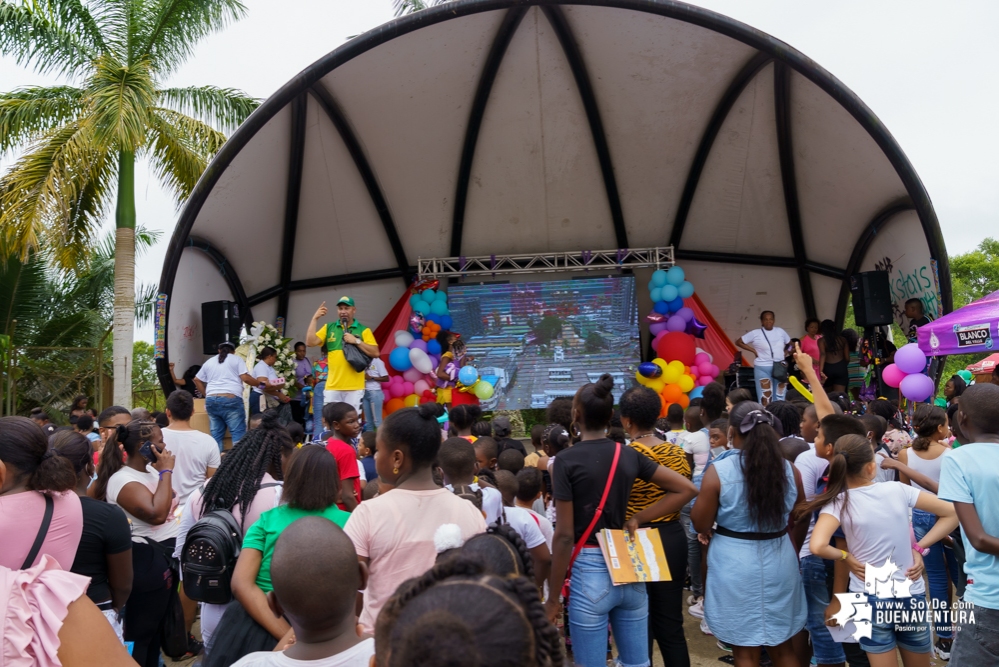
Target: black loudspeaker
{"points": [[219, 322], [872, 305]]}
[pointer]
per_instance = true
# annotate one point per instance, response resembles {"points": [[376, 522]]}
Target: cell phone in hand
{"points": [[146, 451]]}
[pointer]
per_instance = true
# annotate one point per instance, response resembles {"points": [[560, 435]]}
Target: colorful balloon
{"points": [[696, 392], [677, 345], [917, 387], [910, 359], [649, 370], [965, 375], [416, 323], [892, 375], [676, 323], [656, 385], [412, 375], [433, 347], [701, 358], [661, 307], [656, 294], [685, 289], [392, 406], [675, 276], [696, 328], [468, 375], [672, 393], [419, 345], [399, 359], [657, 328], [420, 386], [428, 295], [411, 401], [673, 371], [420, 360], [403, 338], [441, 296], [686, 313], [423, 308], [659, 278], [705, 380], [483, 390], [655, 317], [669, 292], [675, 305], [686, 383]]}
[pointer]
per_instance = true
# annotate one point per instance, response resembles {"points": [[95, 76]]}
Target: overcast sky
{"points": [[927, 69]]}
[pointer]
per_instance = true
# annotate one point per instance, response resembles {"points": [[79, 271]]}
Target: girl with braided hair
{"points": [[429, 621], [247, 483]]}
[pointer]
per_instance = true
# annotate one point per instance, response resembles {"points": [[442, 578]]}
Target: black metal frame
{"points": [[330, 281], [293, 195], [760, 41], [511, 21], [575, 59]]}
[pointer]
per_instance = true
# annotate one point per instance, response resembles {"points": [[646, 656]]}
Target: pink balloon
{"points": [[714, 371], [892, 375], [704, 367], [420, 386], [412, 375], [386, 393], [702, 358], [418, 344], [397, 390], [395, 379], [704, 380], [407, 388], [658, 337], [657, 328]]}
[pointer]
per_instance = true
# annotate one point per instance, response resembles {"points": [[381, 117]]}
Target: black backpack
{"points": [[209, 557]]}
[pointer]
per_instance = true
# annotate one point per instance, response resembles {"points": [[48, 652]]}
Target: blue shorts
{"points": [[816, 574], [899, 622]]}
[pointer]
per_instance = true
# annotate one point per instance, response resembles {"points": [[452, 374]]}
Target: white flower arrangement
{"points": [[265, 335]]}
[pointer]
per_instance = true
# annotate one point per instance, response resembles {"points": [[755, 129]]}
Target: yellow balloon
{"points": [[796, 383], [661, 363], [672, 373], [411, 401], [656, 385], [686, 384], [642, 380]]}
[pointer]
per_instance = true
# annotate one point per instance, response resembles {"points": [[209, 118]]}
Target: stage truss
{"points": [[550, 262]]}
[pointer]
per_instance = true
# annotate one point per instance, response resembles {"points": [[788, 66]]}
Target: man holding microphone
{"points": [[343, 383]]}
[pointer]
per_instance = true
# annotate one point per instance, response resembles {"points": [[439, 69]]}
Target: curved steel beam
{"points": [[228, 272], [575, 59], [757, 260], [864, 244], [782, 106], [333, 112], [728, 100], [293, 196], [330, 281], [501, 41], [672, 9]]}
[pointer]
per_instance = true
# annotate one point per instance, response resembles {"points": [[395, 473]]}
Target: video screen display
{"points": [[539, 341]]}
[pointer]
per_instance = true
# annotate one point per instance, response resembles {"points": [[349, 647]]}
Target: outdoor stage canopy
{"points": [[485, 127]]}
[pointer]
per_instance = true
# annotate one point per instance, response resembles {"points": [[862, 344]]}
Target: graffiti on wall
{"points": [[912, 283]]}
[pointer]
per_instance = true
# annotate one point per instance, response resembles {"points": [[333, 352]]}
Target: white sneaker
{"points": [[705, 629], [694, 599], [697, 609]]}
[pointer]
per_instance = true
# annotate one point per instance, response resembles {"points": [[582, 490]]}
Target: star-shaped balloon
{"points": [[416, 323], [696, 328]]}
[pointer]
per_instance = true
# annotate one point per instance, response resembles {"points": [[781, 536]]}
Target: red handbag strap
{"points": [[598, 513]]}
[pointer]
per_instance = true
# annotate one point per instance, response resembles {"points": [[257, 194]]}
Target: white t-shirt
{"points": [[223, 378], [520, 520], [758, 339], [492, 501], [195, 452], [811, 468], [375, 369], [698, 445], [545, 525], [265, 370], [150, 479], [876, 525], [358, 655]]}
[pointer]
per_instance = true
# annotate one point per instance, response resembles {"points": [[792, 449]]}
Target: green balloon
{"points": [[965, 375]]}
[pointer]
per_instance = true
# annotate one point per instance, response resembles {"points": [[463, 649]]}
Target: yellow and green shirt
{"points": [[341, 376]]}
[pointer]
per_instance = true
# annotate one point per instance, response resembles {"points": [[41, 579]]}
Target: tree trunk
{"points": [[124, 280]]}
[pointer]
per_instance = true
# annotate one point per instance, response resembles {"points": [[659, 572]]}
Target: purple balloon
{"points": [[696, 328], [686, 313], [676, 323], [916, 387], [910, 359], [657, 328], [418, 344]]}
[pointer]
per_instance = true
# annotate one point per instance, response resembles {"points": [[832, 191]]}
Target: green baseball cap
{"points": [[345, 300]]}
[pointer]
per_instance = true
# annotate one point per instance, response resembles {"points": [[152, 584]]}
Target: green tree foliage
{"points": [[547, 329], [594, 343], [403, 7]]}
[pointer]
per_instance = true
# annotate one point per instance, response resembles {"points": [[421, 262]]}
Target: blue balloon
{"points": [[656, 294], [439, 308], [661, 307], [468, 375], [441, 296], [675, 305], [686, 290], [433, 347], [415, 299], [675, 276], [399, 359], [428, 295], [652, 285], [434, 317], [668, 293], [446, 322], [423, 308], [659, 278], [696, 392]]}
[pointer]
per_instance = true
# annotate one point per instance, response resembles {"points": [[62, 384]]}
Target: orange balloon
{"points": [[393, 405], [672, 393], [684, 401]]}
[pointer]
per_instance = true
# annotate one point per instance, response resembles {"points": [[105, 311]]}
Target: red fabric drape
{"points": [[397, 318], [715, 342]]}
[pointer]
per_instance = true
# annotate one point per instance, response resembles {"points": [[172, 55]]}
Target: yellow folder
{"points": [[634, 560]]}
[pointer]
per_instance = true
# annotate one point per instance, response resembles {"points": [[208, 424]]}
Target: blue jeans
{"points": [[225, 413], [317, 408], [372, 406], [593, 600], [816, 574], [892, 626], [693, 550], [939, 563], [765, 384]]}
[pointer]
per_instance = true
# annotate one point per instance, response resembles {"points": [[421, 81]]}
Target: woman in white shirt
{"points": [[767, 343], [221, 380], [875, 520], [267, 378], [141, 486]]}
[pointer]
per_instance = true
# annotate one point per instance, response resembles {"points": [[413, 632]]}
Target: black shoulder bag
{"points": [[779, 371], [43, 530]]}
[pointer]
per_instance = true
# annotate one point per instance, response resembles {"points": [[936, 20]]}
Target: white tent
{"points": [[485, 127]]}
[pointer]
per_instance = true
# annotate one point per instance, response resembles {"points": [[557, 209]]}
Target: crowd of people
{"points": [[439, 539]]}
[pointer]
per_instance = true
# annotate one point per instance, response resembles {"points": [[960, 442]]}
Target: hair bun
{"points": [[427, 411], [603, 387]]}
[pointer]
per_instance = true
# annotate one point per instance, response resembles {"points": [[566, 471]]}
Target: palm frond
{"points": [[54, 193], [120, 96], [35, 37], [403, 7], [145, 239], [180, 148], [27, 112], [145, 303], [173, 27], [223, 108], [23, 290]]}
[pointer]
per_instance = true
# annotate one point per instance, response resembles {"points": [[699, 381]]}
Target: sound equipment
{"points": [[220, 321], [872, 305]]}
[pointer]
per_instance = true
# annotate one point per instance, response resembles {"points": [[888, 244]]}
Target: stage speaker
{"points": [[872, 306], [220, 321]]}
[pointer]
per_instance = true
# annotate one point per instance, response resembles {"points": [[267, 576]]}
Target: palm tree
{"points": [[79, 141], [403, 7]]}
